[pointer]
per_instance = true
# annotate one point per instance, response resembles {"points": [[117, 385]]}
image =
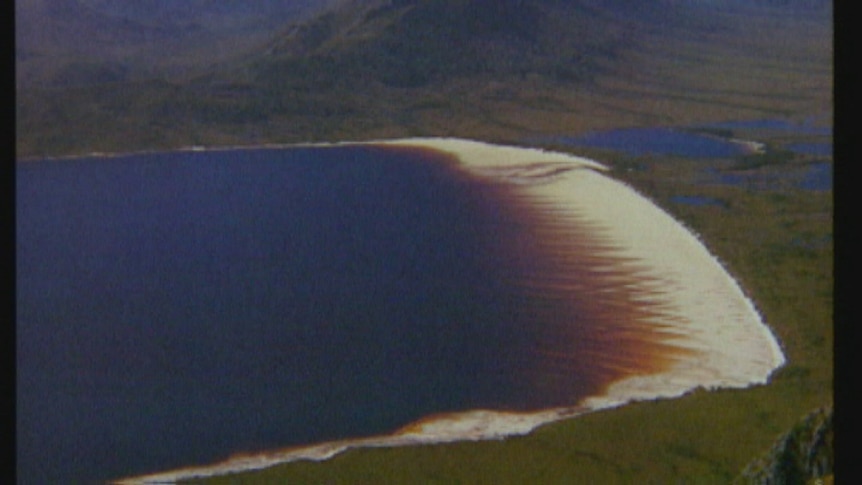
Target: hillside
{"points": [[493, 70], [63, 43]]}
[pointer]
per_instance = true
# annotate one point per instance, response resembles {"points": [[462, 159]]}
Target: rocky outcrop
{"points": [[802, 454]]}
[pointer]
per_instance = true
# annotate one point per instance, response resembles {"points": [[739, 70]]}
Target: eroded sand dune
{"points": [[695, 309]]}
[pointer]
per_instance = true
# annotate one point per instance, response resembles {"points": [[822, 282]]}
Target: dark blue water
{"points": [[807, 127], [657, 141], [822, 149], [818, 177], [174, 309], [814, 177]]}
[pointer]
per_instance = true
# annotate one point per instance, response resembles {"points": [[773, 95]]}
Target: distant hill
{"points": [[75, 42], [160, 73], [412, 43]]}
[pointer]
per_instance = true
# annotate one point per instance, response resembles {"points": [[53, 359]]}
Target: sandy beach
{"points": [[721, 339]]}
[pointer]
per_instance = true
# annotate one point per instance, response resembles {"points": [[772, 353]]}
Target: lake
{"points": [[658, 141], [176, 308], [815, 176], [822, 149], [806, 127]]}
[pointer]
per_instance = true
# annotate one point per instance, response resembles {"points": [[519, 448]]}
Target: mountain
{"points": [[414, 43], [158, 74], [76, 42]]}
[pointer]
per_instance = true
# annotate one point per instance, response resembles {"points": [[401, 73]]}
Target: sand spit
{"points": [[752, 147], [706, 313]]}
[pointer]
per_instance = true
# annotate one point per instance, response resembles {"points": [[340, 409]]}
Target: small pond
{"points": [[807, 127], [821, 149], [658, 141], [814, 177], [818, 177]]}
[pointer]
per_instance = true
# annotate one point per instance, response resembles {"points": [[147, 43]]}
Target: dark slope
{"points": [[82, 42], [478, 68], [415, 43], [214, 13]]}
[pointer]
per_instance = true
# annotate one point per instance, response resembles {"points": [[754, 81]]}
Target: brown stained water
{"points": [[174, 309], [582, 315], [596, 317]]}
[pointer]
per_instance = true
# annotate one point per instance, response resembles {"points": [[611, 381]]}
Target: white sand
{"points": [[753, 147], [707, 314]]}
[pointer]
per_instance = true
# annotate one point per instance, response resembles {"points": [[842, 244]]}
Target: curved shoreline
{"points": [[706, 313]]}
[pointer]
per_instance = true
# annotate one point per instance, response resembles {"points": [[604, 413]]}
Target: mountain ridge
{"points": [[383, 68], [144, 39]]}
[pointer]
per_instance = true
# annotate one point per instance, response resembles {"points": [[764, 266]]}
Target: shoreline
{"points": [[751, 146], [705, 312]]}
